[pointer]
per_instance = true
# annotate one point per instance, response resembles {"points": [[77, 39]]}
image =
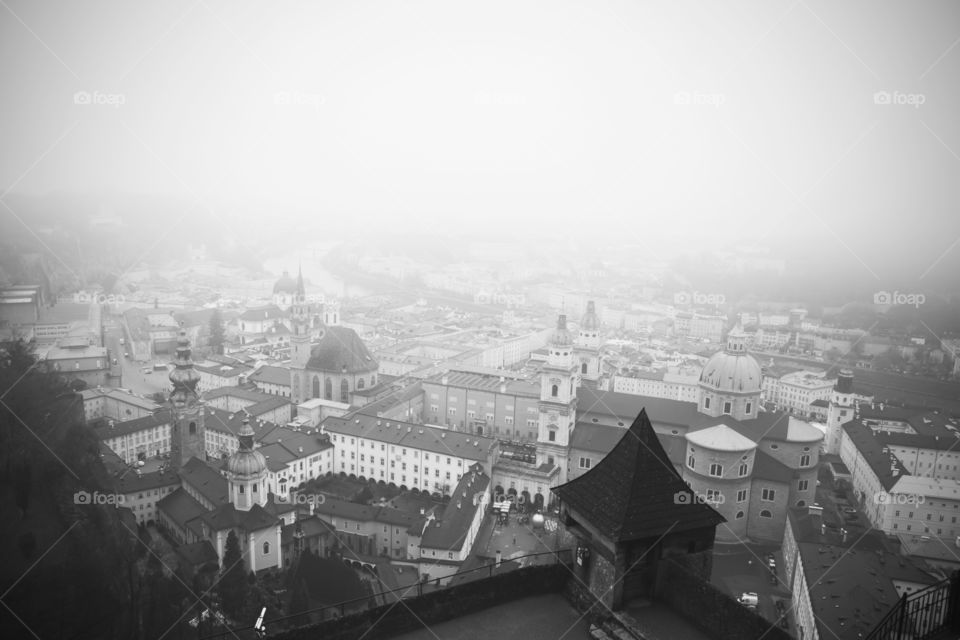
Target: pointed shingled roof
{"points": [[629, 495]]}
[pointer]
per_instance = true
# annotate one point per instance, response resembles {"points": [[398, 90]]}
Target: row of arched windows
{"points": [[328, 388]]}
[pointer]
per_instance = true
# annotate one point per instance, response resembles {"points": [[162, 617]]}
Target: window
{"points": [[742, 495], [706, 403], [739, 515], [690, 462], [327, 389], [743, 470], [344, 391], [766, 514], [714, 496], [716, 470], [726, 407], [768, 494], [805, 460], [584, 463], [266, 548], [802, 485], [552, 436], [554, 390], [749, 408]]}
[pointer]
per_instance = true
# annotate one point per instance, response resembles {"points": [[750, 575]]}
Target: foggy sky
{"points": [[641, 120]]}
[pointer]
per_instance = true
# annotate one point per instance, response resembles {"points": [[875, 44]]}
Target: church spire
{"points": [[183, 377]]}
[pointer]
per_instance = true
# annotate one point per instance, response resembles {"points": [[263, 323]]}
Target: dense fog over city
{"points": [[429, 320], [678, 125]]}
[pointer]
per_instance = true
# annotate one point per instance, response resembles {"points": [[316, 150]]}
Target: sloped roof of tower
{"points": [[589, 322], [561, 336], [630, 494], [341, 350]]}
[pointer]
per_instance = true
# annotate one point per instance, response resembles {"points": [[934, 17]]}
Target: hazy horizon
{"points": [[819, 129]]}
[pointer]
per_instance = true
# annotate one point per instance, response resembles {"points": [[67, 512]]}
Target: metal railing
{"points": [[923, 614], [341, 609]]}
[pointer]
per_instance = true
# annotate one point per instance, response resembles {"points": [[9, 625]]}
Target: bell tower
{"points": [[299, 342], [187, 431], [558, 399], [588, 345]]}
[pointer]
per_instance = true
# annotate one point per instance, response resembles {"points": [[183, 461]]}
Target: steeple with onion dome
{"points": [[247, 472], [187, 409]]}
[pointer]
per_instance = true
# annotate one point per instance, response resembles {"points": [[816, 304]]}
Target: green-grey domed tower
{"points": [[186, 408]]}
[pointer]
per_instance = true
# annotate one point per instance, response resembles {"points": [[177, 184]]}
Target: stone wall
{"points": [[603, 580], [431, 608], [717, 614]]}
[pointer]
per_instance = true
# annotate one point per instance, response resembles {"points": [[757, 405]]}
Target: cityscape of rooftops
{"points": [[427, 320]]}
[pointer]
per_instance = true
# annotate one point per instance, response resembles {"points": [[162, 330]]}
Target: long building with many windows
{"points": [[410, 456]]}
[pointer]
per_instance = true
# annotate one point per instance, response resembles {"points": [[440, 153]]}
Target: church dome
{"points": [[246, 462], [733, 370], [286, 284]]}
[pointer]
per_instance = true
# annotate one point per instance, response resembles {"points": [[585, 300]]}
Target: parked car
{"points": [[772, 562], [749, 599], [848, 510]]}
